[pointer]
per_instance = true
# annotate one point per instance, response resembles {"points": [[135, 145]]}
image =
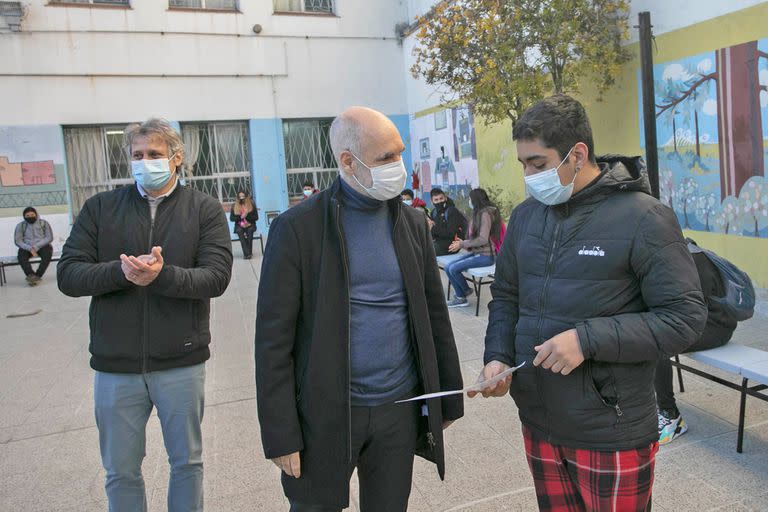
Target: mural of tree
{"points": [[740, 130], [686, 198], [728, 216], [667, 187], [706, 209], [753, 202]]}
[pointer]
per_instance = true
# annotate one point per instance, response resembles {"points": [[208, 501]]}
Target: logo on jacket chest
{"points": [[594, 251]]}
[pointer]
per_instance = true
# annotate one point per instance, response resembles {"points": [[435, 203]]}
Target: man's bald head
{"points": [[365, 134]]}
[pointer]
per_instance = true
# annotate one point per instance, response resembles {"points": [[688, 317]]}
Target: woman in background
{"points": [[484, 227], [244, 214]]}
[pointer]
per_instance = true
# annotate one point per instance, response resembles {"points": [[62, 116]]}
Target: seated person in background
{"points": [[308, 189], [446, 222], [33, 237], [484, 226], [717, 332], [411, 200]]}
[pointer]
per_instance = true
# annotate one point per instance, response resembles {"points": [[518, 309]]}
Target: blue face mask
{"points": [[151, 174], [546, 188]]}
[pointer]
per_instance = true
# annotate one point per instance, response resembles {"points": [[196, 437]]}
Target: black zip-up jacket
{"points": [[612, 263], [449, 223], [137, 329], [302, 342]]}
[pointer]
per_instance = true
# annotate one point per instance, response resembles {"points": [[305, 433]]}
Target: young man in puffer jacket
{"points": [[593, 285]]}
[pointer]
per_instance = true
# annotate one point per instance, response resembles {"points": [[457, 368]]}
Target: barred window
{"points": [[308, 155], [224, 5], [305, 6]]}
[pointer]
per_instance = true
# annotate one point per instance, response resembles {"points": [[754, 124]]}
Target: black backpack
{"points": [[739, 299]]}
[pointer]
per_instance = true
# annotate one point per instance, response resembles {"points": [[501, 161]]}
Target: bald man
{"points": [[351, 318]]}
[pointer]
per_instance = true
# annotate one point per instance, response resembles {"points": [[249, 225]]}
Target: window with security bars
{"points": [[305, 6], [93, 2], [224, 5], [97, 161], [217, 159], [308, 155]]}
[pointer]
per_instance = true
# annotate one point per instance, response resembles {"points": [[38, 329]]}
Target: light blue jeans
{"points": [[123, 404], [454, 271]]}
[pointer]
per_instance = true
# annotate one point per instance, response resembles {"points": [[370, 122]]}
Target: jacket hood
{"points": [[617, 173]]}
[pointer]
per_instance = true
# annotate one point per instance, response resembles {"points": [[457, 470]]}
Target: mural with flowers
{"points": [[712, 125]]}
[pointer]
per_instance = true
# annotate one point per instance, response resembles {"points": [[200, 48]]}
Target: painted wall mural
{"points": [[32, 168], [712, 125], [444, 153]]}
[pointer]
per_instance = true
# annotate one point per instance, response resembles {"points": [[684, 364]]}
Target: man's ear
{"points": [[581, 155], [346, 162], [177, 159]]}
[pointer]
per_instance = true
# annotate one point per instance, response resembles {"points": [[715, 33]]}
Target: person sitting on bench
{"points": [[717, 332], [33, 237], [484, 227]]}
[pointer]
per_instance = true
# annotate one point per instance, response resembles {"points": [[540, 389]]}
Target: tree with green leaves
{"points": [[501, 56]]}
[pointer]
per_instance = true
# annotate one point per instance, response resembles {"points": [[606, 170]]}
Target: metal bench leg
{"points": [[478, 288], [680, 375], [448, 291], [742, 412], [261, 243]]}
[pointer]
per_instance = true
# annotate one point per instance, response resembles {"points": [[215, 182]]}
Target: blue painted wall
{"points": [[403, 123], [268, 178]]}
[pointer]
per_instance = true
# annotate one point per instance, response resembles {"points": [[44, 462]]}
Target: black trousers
{"points": [[246, 239], [45, 253], [665, 395], [383, 446]]}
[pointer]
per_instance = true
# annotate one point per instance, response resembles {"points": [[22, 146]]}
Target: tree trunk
{"points": [[757, 231], [696, 123], [674, 132], [740, 131], [685, 214], [706, 221]]}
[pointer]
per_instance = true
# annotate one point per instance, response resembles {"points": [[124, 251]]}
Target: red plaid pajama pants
{"points": [[570, 480]]}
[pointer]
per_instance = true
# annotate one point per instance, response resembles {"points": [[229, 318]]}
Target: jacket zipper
{"points": [[542, 301], [349, 330], [615, 407], [417, 353], [145, 348]]}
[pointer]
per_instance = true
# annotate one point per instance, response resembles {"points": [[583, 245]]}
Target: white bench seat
{"points": [[751, 364]]}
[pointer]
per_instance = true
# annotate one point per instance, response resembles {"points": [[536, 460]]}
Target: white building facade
{"points": [[252, 86]]}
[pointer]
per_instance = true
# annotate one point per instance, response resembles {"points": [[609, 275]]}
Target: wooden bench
{"points": [[751, 364], [12, 261], [479, 276]]}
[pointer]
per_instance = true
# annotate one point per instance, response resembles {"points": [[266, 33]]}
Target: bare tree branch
{"points": [[666, 106]]}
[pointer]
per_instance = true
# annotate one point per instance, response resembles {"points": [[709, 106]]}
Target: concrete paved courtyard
{"points": [[49, 458]]}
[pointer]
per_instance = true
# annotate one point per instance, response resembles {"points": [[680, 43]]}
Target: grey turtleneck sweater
{"points": [[383, 366]]}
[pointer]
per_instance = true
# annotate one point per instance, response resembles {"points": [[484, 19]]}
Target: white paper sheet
{"points": [[479, 386]]}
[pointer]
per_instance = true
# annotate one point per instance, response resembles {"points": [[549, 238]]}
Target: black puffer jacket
{"points": [[137, 329], [611, 262]]}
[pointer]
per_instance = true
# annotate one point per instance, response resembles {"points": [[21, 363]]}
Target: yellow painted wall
{"points": [[616, 124]]}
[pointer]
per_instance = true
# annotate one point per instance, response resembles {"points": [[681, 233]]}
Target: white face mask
{"points": [[388, 180], [546, 188], [408, 202], [307, 193]]}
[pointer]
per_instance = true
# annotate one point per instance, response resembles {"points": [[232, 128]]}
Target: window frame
{"points": [[332, 14], [236, 9], [89, 5]]}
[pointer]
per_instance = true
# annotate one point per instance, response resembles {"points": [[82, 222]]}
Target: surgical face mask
{"points": [[546, 188], [151, 174], [307, 193], [408, 202], [388, 180], [31, 220]]}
